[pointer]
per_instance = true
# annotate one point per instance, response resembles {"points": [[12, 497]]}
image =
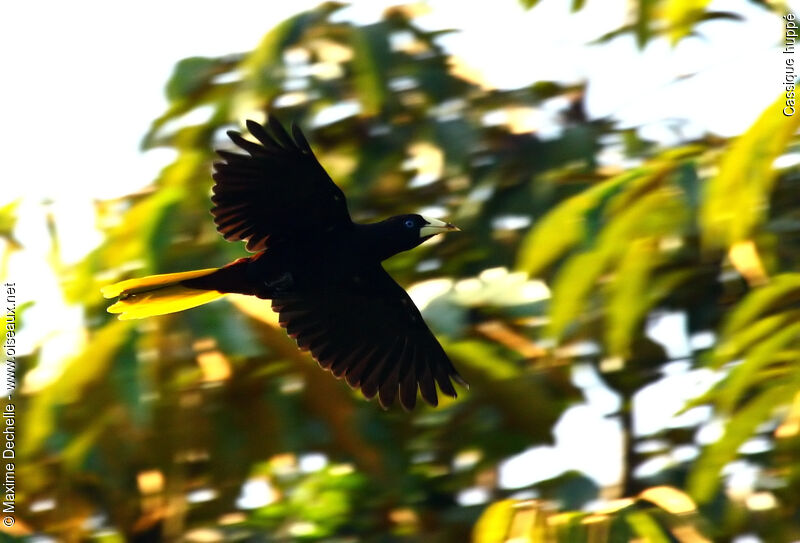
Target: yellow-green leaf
{"points": [[493, 524], [681, 15], [736, 343], [704, 477], [371, 51], [571, 288], [565, 226], [736, 199], [645, 527], [628, 301], [778, 290], [760, 356]]}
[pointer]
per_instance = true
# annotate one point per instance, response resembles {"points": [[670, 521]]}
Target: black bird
{"points": [[321, 270]]}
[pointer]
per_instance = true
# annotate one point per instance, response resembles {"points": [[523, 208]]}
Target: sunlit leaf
{"points": [[581, 216], [646, 527], [782, 289], [628, 300], [493, 524], [704, 476], [669, 499], [575, 281], [745, 258], [565, 226], [737, 197], [758, 357], [8, 218], [655, 214], [734, 344], [681, 15]]}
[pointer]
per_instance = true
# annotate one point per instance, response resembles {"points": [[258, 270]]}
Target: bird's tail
{"points": [[159, 294]]}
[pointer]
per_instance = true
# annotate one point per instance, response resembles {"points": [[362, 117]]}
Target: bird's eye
{"points": [[409, 223]]}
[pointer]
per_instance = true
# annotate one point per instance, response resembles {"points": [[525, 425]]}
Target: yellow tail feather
{"points": [[132, 286], [158, 295], [162, 301]]}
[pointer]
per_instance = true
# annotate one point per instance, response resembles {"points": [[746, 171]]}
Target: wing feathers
{"points": [[381, 370], [253, 148], [261, 134], [280, 133], [276, 192], [371, 334], [427, 386], [300, 138], [408, 390]]}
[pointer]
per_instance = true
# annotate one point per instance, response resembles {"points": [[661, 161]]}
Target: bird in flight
{"points": [[321, 270]]}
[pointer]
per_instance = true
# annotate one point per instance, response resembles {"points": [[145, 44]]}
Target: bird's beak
{"points": [[435, 226]]}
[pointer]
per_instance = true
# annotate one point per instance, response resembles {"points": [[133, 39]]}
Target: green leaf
{"points": [[732, 344], [486, 360], [218, 95], [580, 218], [646, 527], [528, 402], [371, 57], [75, 452], [577, 5], [655, 214], [778, 291], [761, 355], [704, 476], [644, 20], [628, 301], [192, 74], [736, 198], [262, 67], [565, 226], [572, 286]]}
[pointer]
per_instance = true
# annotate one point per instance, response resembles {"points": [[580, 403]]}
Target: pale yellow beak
{"points": [[435, 226]]}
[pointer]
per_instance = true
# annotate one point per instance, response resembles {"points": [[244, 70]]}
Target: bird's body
{"points": [[330, 260], [321, 270]]}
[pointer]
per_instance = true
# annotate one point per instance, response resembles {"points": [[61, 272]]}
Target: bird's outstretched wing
{"points": [[278, 191], [369, 331]]}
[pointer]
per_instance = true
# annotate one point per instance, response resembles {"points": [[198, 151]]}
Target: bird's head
{"points": [[411, 230]]}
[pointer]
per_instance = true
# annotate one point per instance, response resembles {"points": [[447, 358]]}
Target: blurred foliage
{"points": [[651, 19], [210, 424], [659, 514], [736, 201], [8, 219]]}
